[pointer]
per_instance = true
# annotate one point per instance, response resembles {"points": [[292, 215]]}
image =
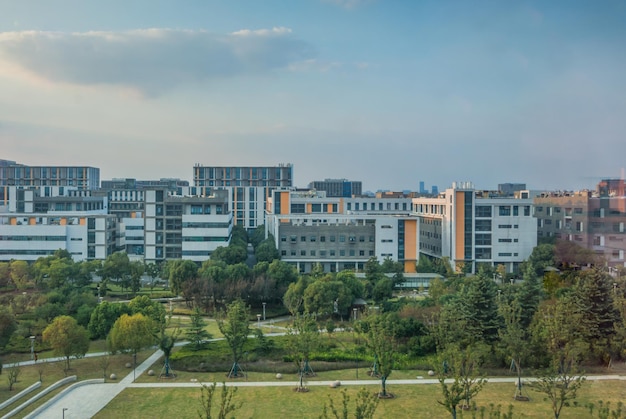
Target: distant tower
{"points": [[422, 187]]}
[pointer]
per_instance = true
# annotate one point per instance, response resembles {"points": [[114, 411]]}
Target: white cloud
{"points": [[150, 60]]}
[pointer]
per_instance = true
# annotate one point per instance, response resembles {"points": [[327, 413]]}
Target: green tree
{"points": [[461, 367], [266, 251], [559, 386], [149, 308], [20, 274], [67, 338], [8, 325], [153, 271], [542, 257], [321, 295], [302, 340], [514, 340], [132, 334], [235, 327], [116, 267], [380, 339], [364, 406], [294, 296], [180, 272], [137, 269], [226, 404], [103, 318], [196, 332], [230, 255]]}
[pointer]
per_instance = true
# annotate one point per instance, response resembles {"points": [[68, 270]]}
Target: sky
{"points": [[388, 92]]}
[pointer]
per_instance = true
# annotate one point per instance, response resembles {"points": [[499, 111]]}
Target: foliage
{"points": [[559, 386], [8, 325], [379, 333], [149, 308], [302, 340], [364, 406], [67, 338], [12, 376], [461, 365], [234, 325], [294, 296], [179, 272], [103, 318], [132, 333], [514, 339], [226, 405], [196, 333]]}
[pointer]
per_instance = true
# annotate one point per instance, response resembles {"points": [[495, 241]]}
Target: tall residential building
{"points": [[592, 219], [340, 188], [249, 186], [311, 228], [471, 227]]}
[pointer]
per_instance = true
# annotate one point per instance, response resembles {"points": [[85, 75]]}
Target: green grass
{"points": [[412, 401]]}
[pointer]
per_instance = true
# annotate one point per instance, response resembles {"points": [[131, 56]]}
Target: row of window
{"points": [[485, 211], [33, 238], [485, 253], [330, 253], [332, 239]]}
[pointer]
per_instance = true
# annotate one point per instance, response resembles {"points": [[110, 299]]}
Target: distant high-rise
{"points": [[250, 187], [422, 187], [337, 188], [434, 190]]}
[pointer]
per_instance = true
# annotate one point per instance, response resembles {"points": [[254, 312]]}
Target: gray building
{"points": [[338, 188]]}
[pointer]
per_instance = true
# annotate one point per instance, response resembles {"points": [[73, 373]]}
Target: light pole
{"points": [[258, 321], [32, 348], [64, 409], [354, 310], [264, 311]]}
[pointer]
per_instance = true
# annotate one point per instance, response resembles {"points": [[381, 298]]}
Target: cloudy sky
{"points": [[389, 92]]}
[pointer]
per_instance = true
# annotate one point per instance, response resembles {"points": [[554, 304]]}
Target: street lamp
{"points": [[354, 310], [32, 348], [64, 409], [258, 321], [264, 311]]}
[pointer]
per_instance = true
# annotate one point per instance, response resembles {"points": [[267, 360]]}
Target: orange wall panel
{"points": [[410, 245], [285, 206]]}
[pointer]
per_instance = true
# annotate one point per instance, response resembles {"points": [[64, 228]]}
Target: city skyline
{"points": [[388, 93]]}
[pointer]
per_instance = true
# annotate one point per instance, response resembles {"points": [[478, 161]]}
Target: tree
{"points": [[103, 318], [461, 365], [321, 295], [116, 267], [196, 332], [380, 339], [180, 272], [166, 343], [364, 406], [67, 338], [302, 339], [294, 296], [231, 255], [8, 325], [542, 257], [559, 386], [515, 341], [137, 269], [13, 374], [266, 251], [226, 405], [149, 308], [20, 274], [153, 271], [132, 334], [234, 325]]}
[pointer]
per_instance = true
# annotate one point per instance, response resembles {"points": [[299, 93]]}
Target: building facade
{"points": [[594, 220], [312, 229], [249, 187], [469, 227], [340, 188], [15, 174]]}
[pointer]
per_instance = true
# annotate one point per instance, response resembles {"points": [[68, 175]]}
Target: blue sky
{"points": [[388, 92]]}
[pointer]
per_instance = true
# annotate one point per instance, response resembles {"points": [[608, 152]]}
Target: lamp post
{"points": [[354, 310], [264, 311], [64, 409], [258, 321], [32, 348]]}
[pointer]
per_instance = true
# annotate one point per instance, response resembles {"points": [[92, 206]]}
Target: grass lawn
{"points": [[412, 401]]}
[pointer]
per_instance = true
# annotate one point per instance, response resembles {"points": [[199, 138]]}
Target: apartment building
{"points": [[592, 219], [470, 226], [311, 228], [249, 187], [15, 174]]}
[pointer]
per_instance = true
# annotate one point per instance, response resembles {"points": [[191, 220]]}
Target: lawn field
{"points": [[411, 401]]}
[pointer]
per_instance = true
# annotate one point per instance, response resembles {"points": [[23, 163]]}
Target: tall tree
{"points": [[180, 272], [380, 338], [514, 340], [103, 318], [67, 338], [132, 334], [235, 327], [196, 332], [116, 267]]}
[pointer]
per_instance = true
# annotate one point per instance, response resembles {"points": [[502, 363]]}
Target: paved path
{"points": [[85, 401]]}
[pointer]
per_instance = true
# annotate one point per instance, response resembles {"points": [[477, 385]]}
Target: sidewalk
{"points": [[84, 402]]}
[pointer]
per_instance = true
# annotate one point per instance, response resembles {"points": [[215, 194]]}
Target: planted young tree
{"points": [[559, 386], [67, 338], [166, 343], [514, 341], [364, 406], [12, 376], [380, 339], [226, 404], [302, 339], [461, 366], [235, 327]]}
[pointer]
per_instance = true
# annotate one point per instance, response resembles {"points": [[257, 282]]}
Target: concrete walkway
{"points": [[84, 402]]}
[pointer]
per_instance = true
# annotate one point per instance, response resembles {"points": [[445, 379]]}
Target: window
{"points": [[483, 239], [483, 211], [352, 238], [283, 238], [515, 210], [504, 240], [352, 252], [293, 253], [505, 226], [483, 253], [312, 252], [302, 238], [332, 239], [342, 252], [293, 239], [482, 225], [313, 238], [526, 210], [283, 253], [342, 239], [361, 239], [385, 226], [578, 210], [504, 210], [331, 252], [361, 252], [316, 207], [505, 254], [302, 252]]}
